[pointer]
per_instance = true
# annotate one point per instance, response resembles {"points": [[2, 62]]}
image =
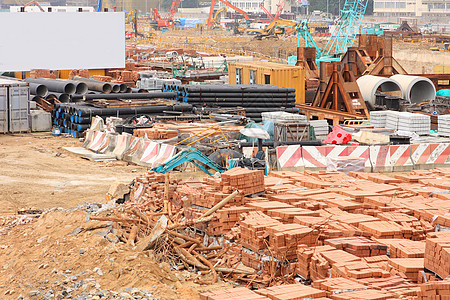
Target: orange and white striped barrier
{"points": [[122, 143], [400, 158], [165, 153], [290, 156], [150, 152], [423, 155], [379, 158], [98, 142]]}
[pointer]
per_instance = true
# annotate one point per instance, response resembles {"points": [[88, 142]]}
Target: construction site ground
{"points": [[61, 254], [415, 56]]}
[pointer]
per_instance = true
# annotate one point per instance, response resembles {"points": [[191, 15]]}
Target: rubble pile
{"points": [[359, 234]]}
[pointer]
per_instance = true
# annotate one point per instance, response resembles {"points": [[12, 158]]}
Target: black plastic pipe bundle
{"points": [[75, 118], [254, 98]]}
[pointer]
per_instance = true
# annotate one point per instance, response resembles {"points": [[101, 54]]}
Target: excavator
{"points": [[211, 10], [273, 29], [215, 19], [158, 22]]}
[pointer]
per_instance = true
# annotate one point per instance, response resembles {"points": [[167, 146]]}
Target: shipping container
{"points": [[19, 110], [14, 106], [3, 109], [277, 74]]}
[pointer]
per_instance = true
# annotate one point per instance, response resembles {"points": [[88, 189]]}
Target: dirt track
{"points": [[35, 172]]}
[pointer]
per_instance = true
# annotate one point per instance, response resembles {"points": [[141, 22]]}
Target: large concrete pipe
{"points": [[62, 97], [369, 85], [54, 85], [38, 89], [95, 85], [416, 89], [80, 87]]}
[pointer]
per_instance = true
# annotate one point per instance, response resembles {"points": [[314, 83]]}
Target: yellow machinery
{"points": [[273, 29], [215, 20]]}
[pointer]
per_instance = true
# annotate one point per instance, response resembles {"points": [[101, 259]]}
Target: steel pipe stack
{"points": [[255, 99], [75, 118]]}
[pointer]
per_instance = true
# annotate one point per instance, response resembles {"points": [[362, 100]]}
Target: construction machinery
{"points": [[266, 12], [215, 19], [38, 5], [159, 22], [236, 9], [273, 29], [344, 34]]}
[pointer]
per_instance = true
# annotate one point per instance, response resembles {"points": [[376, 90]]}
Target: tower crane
{"points": [[344, 34]]}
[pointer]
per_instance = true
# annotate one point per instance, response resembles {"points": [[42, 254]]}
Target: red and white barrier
{"points": [[430, 154], [150, 151], [289, 156], [379, 158], [350, 151], [121, 145], [111, 143], [165, 153], [400, 158], [88, 139], [98, 141], [315, 156], [131, 149]]}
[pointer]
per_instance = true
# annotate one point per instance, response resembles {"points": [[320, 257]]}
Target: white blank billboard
{"points": [[62, 41]]}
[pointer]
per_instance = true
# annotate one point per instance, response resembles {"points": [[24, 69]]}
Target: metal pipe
{"points": [[54, 85], [272, 143], [95, 85], [115, 88], [62, 97], [124, 88], [38, 89], [126, 96]]}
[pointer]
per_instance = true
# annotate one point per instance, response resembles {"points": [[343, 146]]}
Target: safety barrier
{"points": [[88, 139], [379, 158], [290, 156], [98, 141], [150, 152], [165, 152], [122, 144], [426, 155], [400, 158]]}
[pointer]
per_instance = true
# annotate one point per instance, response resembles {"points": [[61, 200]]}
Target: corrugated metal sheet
{"points": [[3, 110], [19, 109]]}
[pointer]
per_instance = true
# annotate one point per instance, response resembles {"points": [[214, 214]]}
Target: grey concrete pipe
{"points": [[38, 89], [80, 87], [95, 85], [53, 85], [62, 97], [115, 87], [416, 89], [369, 85]]}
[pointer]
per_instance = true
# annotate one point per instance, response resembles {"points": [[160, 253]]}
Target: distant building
{"points": [[49, 8], [398, 8]]}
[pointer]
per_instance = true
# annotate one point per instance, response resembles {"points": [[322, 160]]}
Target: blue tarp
{"points": [[189, 23], [443, 93]]}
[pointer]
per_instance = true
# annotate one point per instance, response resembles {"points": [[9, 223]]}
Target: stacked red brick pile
{"points": [[244, 180], [156, 133], [437, 253], [322, 224], [435, 290], [37, 73]]}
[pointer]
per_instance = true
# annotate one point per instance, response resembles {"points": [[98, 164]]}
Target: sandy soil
{"points": [[58, 253], [35, 172]]}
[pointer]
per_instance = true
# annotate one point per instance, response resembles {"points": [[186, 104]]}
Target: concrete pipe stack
{"points": [[255, 99], [75, 118], [378, 90]]}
